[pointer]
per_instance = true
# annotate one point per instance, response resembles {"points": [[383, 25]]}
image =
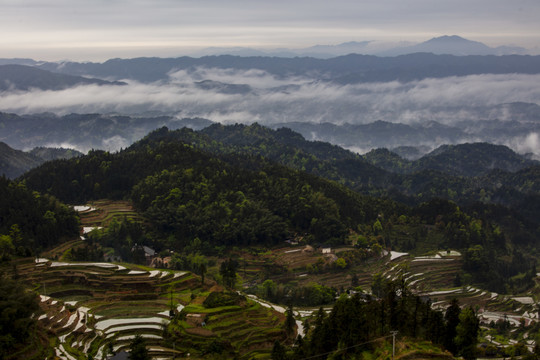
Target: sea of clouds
{"points": [[271, 100]]}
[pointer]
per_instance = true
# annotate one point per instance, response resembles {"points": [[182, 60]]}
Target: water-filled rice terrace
{"points": [[430, 276], [87, 306], [433, 276], [100, 212]]}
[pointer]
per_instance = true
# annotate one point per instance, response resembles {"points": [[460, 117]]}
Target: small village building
{"points": [[149, 253]]}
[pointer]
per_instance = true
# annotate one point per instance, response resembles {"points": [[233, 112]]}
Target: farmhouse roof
{"points": [[149, 251]]}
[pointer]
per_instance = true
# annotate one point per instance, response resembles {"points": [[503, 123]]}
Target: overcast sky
{"points": [[102, 29]]}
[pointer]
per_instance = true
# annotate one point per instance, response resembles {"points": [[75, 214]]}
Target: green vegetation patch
{"points": [[216, 299]]}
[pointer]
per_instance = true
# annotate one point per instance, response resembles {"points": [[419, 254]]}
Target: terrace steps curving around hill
{"points": [[81, 297]]}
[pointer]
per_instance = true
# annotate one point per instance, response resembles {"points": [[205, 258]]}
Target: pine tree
{"points": [[138, 349], [278, 352], [467, 333], [290, 323], [228, 272], [452, 320]]}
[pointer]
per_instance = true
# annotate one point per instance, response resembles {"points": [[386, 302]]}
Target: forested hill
{"points": [[14, 163], [30, 222], [511, 199], [283, 146], [229, 195], [458, 160], [445, 173], [238, 199], [21, 77]]}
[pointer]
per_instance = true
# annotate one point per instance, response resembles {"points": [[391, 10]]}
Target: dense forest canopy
{"points": [[30, 221], [355, 324], [206, 194], [17, 305], [249, 185], [187, 193]]}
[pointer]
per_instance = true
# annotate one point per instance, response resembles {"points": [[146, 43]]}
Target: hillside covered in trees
{"points": [[228, 197], [30, 221], [239, 199], [225, 186], [14, 163]]}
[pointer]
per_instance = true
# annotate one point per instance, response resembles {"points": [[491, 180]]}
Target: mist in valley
{"points": [[501, 108]]}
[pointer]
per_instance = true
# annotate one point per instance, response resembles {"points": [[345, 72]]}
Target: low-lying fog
{"points": [[233, 96]]}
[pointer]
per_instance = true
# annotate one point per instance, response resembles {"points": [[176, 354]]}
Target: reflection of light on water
{"points": [[83, 208], [102, 265], [278, 308], [300, 328], [178, 274], [121, 324], [395, 255], [87, 229]]}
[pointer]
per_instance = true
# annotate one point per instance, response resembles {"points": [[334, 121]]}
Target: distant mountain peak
{"points": [[454, 45], [454, 40], [448, 38]]}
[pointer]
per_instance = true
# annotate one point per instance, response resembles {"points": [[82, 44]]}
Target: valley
{"points": [[227, 228], [289, 208], [97, 308], [86, 306]]}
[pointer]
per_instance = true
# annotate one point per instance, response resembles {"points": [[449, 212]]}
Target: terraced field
{"points": [[87, 306], [433, 276], [101, 212], [430, 276], [248, 327]]}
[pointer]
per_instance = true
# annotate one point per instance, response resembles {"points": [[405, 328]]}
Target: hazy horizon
{"points": [[79, 30], [97, 31]]}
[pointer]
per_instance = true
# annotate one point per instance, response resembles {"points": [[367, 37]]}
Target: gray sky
{"points": [[102, 29]]}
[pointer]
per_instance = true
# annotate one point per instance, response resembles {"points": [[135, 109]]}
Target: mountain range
{"points": [[112, 132], [84, 131], [360, 102], [14, 163], [466, 174], [452, 45], [348, 69], [469, 159], [343, 63], [23, 77]]}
